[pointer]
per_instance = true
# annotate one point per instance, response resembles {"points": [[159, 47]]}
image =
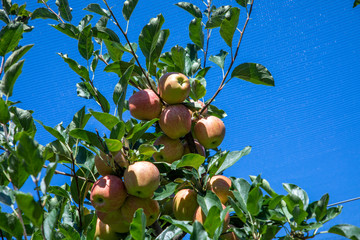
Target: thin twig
{"points": [[345, 201], [19, 214], [58, 15], [70, 175], [208, 34], [232, 60]]}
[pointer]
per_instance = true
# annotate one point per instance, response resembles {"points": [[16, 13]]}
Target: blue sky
{"points": [[305, 130]]}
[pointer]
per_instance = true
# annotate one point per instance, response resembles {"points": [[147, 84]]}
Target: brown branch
{"points": [[232, 60], [48, 7], [70, 175]]}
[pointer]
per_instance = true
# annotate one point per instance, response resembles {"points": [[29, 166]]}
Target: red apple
{"points": [[115, 220], [108, 193], [185, 204], [175, 121], [104, 232], [200, 217], [145, 105], [103, 162], [174, 87], [172, 151], [220, 185], [142, 179], [200, 148], [151, 209], [209, 131]]}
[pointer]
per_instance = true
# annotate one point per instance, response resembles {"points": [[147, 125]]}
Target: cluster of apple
{"points": [[116, 199]]}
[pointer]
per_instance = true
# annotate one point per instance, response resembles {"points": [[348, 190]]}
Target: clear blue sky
{"points": [[304, 131]]}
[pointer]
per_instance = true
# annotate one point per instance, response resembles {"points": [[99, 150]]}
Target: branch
{"points": [[70, 175], [36, 181], [19, 215], [208, 33], [232, 60], [78, 189], [58, 15]]}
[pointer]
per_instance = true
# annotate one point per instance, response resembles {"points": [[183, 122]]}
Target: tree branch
{"points": [[48, 7], [70, 175]]}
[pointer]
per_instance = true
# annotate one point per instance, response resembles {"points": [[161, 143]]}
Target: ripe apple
{"points": [[172, 151], [145, 105], [142, 179], [220, 185], [175, 121], [104, 232], [174, 87], [185, 204], [229, 236], [209, 131], [200, 217], [108, 193], [103, 161], [115, 220], [151, 209], [200, 148]]}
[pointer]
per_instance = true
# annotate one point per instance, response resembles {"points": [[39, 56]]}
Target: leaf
{"points": [[16, 55], [299, 214], [79, 194], [80, 70], [178, 57], [298, 192], [23, 120], [83, 91], [11, 224], [118, 131], [139, 129], [4, 17], [264, 184], [4, 112], [106, 119], [189, 160], [149, 35], [165, 191], [208, 201], [332, 213], [79, 120], [29, 150], [198, 232], [128, 8], [67, 29], [121, 89], [242, 187], [95, 8], [183, 225], [10, 36], [85, 44], [191, 8], [29, 207], [115, 49], [321, 208], [254, 201], [138, 225], [195, 32], [169, 233], [229, 25], [197, 90], [45, 182], [7, 195], [219, 59], [217, 17], [147, 149], [120, 67], [43, 13], [232, 158], [214, 111], [50, 223], [346, 230], [105, 33], [239, 212], [113, 145], [69, 232], [64, 9], [86, 136], [53, 132], [243, 3], [84, 22], [8, 81], [254, 73], [17, 171]]}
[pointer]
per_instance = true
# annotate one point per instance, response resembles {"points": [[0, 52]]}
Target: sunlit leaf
{"points": [[254, 73]]}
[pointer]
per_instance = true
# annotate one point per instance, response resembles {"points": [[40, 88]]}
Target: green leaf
{"points": [[208, 201], [213, 220], [139, 129], [23, 120], [43, 13], [4, 112], [4, 17], [17, 171], [198, 232], [346, 230], [298, 192], [219, 59], [321, 208], [229, 25], [105, 33], [113, 145], [16, 55], [29, 150], [239, 212], [121, 89], [264, 184], [45, 182], [197, 90], [183, 225], [83, 89], [84, 22], [7, 195], [30, 207], [115, 49], [69, 232], [80, 70], [138, 225], [254, 201], [232, 158], [86, 136], [214, 111], [95, 8], [120, 67], [11, 224], [178, 57], [85, 44], [64, 9], [217, 17], [243, 3], [191, 8], [118, 131], [169, 233], [108, 120], [149, 35], [357, 2], [67, 29], [53, 132], [10, 36], [332, 213], [84, 187], [195, 32], [189, 160], [299, 214], [147, 149], [165, 191], [79, 120], [254, 73], [128, 8], [50, 223], [242, 192], [8, 81]]}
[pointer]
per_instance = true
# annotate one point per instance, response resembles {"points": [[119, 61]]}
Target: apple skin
{"points": [[228, 236], [108, 193], [173, 149], [200, 217], [104, 232], [174, 87], [102, 160], [175, 121], [220, 185], [200, 148], [142, 179], [115, 220], [145, 105], [209, 131], [185, 204], [151, 209]]}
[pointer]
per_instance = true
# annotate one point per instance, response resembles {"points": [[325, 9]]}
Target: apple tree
{"points": [[159, 173]]}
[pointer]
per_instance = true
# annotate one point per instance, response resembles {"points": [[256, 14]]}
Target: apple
{"points": [[151, 209], [108, 193], [220, 185], [185, 204], [175, 121], [174, 87], [228, 236], [172, 151], [200, 148], [145, 105], [200, 217], [209, 131], [104, 232], [115, 220], [103, 161], [141, 179]]}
